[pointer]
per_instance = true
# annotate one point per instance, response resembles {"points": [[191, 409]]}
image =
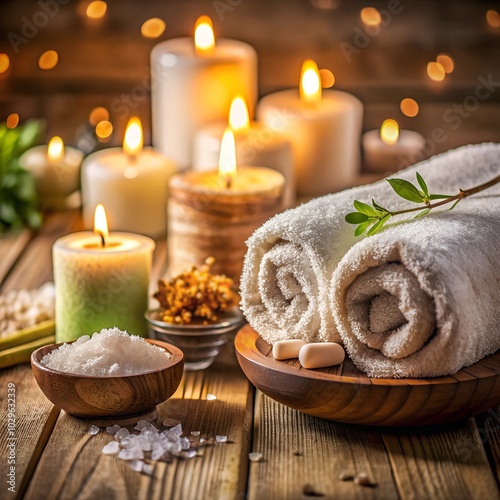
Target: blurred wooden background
{"points": [[105, 62]]}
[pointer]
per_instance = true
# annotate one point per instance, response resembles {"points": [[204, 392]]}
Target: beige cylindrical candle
{"points": [[206, 218], [255, 146], [390, 153], [324, 132], [192, 87]]}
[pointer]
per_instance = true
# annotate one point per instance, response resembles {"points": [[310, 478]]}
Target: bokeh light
{"points": [[370, 16], [4, 62], [96, 9], [104, 129], [153, 28], [327, 78], [436, 71], [48, 60], [97, 115], [446, 62], [493, 18], [409, 107], [12, 120]]}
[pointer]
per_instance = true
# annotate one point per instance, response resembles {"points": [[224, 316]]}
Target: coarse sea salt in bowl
{"points": [[117, 375]]}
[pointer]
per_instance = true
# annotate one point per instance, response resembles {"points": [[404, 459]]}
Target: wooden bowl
{"points": [[108, 397], [346, 394]]}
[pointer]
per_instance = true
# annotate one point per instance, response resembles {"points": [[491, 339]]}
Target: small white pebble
{"points": [[122, 433], [136, 465], [94, 430], [148, 469], [189, 454], [113, 429], [221, 439], [195, 433], [255, 456], [170, 422], [111, 448]]}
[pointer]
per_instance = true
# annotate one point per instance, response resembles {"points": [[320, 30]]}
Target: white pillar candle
{"points": [[389, 149], [324, 129], [193, 85], [101, 285], [213, 213], [56, 171], [256, 145], [132, 183]]}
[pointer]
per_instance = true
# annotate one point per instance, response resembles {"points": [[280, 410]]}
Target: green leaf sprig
{"points": [[371, 219]]}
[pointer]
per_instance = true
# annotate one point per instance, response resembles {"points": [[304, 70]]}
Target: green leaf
{"points": [[439, 196], [422, 184], [406, 190], [378, 225], [378, 207], [356, 218], [365, 209], [422, 213], [362, 228], [455, 204]]}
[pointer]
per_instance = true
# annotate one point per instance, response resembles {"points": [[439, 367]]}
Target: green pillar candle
{"points": [[101, 286]]}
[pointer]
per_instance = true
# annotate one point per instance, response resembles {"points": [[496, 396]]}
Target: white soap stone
{"points": [[321, 355], [286, 349]]}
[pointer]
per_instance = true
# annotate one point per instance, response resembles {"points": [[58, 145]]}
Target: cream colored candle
{"points": [[101, 281], [56, 171], [255, 146], [389, 149], [132, 183], [212, 213], [193, 83], [324, 129]]}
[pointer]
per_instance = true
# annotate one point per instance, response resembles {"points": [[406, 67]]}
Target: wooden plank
{"points": [[35, 418], [11, 247], [72, 466], [300, 450], [441, 463], [488, 426]]}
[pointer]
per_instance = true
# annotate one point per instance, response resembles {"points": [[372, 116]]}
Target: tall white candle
{"points": [[194, 84], [256, 146], [324, 129], [389, 149], [101, 281], [132, 183]]}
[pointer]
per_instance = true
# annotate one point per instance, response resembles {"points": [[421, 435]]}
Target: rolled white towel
{"points": [[291, 258], [422, 298]]}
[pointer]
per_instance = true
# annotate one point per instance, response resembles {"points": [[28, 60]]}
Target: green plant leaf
{"points": [[365, 209], [406, 190], [356, 218], [439, 196], [455, 204], [362, 228], [379, 208], [378, 225], [422, 184], [422, 213]]}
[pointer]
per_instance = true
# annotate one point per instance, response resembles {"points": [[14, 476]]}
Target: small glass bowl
{"points": [[200, 343]]}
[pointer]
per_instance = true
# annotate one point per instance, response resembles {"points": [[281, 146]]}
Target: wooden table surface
{"points": [[55, 457]]}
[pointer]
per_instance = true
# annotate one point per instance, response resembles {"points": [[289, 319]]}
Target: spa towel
{"points": [[422, 298], [285, 285]]}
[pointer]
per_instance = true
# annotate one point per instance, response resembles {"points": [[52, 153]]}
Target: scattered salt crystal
{"points": [[255, 457], [195, 433], [171, 422], [202, 440], [122, 433], [113, 429], [221, 439], [189, 454], [177, 430], [157, 452], [130, 454], [111, 448], [147, 469], [94, 430], [144, 424], [110, 352], [136, 465]]}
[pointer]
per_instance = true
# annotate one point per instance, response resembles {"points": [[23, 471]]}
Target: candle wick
{"points": [[229, 182], [132, 158], [103, 241]]}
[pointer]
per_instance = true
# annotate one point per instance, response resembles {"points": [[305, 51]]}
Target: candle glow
{"points": [[55, 150], [239, 118], [436, 71], [101, 224], [204, 39], [133, 141], [227, 158], [310, 82], [389, 132]]}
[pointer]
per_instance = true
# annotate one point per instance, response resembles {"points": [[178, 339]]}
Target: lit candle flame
{"points": [[101, 224], [389, 132], [132, 144], [204, 38], [227, 158], [239, 118], [55, 150], [310, 82]]}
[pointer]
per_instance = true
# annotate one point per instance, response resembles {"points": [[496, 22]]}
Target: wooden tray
{"points": [[346, 394]]}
